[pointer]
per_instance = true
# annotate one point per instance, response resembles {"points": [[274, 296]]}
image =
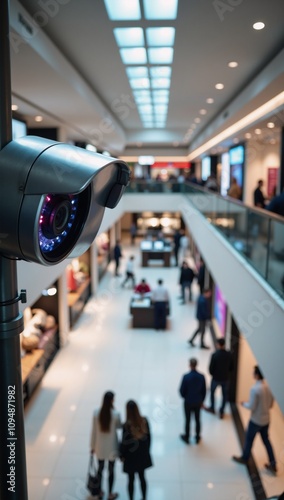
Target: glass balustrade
{"points": [[256, 234]]}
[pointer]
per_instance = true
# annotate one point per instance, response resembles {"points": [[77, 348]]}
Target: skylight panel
{"points": [[139, 83], [160, 37], [143, 100], [139, 93], [160, 92], [161, 109], [123, 10], [145, 109], [160, 99], [160, 83], [137, 72], [129, 37], [160, 71], [161, 55], [160, 9], [134, 55]]}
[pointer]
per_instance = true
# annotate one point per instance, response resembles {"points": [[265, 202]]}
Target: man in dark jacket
{"points": [[186, 278], [203, 315], [193, 391], [220, 367], [117, 255]]}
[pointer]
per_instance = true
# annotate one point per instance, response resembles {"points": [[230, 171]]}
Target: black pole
{"points": [[13, 476]]}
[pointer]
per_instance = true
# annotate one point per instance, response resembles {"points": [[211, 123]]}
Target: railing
{"points": [[255, 233]]}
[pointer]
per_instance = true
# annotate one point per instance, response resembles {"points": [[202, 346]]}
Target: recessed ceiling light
{"points": [[270, 125], [14, 107], [210, 100], [203, 111], [129, 37], [197, 120], [247, 135], [38, 118], [160, 9], [123, 10], [233, 64], [259, 25], [257, 131], [219, 86]]}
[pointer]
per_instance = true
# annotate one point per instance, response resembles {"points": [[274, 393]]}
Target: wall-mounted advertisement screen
{"points": [[237, 159], [220, 310], [205, 167], [225, 174]]}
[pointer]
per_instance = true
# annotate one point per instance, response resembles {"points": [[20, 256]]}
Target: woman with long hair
{"points": [[135, 448], [104, 442]]}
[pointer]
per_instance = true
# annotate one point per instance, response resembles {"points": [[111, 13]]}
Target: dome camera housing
{"points": [[53, 198]]}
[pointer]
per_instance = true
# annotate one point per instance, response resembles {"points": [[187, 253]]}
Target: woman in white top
{"points": [[104, 441]]}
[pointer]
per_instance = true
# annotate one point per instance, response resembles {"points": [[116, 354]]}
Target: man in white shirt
{"points": [[260, 402], [160, 298], [129, 272]]}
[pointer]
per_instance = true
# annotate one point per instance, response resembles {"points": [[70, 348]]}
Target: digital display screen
{"points": [[158, 245], [220, 310], [146, 245], [225, 174], [205, 167], [237, 155]]}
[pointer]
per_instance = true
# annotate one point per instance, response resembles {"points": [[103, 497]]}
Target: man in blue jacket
{"points": [[203, 315], [193, 391]]}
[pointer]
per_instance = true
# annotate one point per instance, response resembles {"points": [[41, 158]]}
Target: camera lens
{"points": [[61, 221]]}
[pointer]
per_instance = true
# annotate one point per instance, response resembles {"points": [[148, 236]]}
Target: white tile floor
{"points": [[105, 353]]}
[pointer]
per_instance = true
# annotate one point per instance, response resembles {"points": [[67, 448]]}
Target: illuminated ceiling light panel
{"points": [[160, 92], [145, 109], [139, 83], [161, 100], [159, 124], [140, 93], [270, 125], [134, 55], [159, 9], [124, 10], [143, 100], [209, 100], [161, 108], [160, 37], [219, 86], [129, 37], [161, 55], [137, 72], [160, 71], [160, 83]]}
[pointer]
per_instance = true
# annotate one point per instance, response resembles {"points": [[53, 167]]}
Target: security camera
{"points": [[53, 197]]}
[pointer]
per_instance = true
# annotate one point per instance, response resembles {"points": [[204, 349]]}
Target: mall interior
{"points": [[84, 333]]}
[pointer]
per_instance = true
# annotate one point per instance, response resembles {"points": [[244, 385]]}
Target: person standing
{"points": [[117, 255], [135, 448], [133, 233], [193, 391], [186, 278], [184, 244], [129, 272], [258, 196], [201, 276], [177, 237], [260, 402], [203, 315], [220, 367], [104, 442], [235, 190], [160, 299]]}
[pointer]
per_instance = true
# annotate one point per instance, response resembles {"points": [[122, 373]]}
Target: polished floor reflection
{"points": [[105, 353]]}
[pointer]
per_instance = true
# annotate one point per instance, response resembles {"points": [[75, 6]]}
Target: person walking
{"points": [[129, 272], [220, 367], [260, 402], [201, 276], [104, 441], [177, 237], [193, 391], [186, 278], [135, 448], [203, 315], [117, 255], [160, 299]]}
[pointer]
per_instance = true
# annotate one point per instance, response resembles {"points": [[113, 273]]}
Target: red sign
{"points": [[171, 164]]}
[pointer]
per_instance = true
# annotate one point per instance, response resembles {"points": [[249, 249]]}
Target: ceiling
{"points": [[70, 72]]}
